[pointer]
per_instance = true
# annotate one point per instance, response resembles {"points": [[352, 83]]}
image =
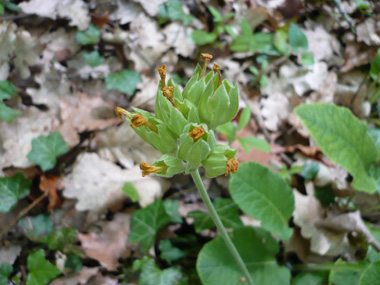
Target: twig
{"points": [[22, 213]]}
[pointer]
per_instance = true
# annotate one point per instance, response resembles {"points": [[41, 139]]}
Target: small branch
{"points": [[22, 213]]}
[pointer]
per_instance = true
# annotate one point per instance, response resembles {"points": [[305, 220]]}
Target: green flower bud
{"points": [[216, 163], [166, 166], [219, 105], [153, 131], [194, 93], [195, 145]]}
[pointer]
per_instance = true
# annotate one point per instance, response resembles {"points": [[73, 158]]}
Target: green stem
{"points": [[218, 223]]}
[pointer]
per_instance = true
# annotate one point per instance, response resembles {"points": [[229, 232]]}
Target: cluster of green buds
{"points": [[182, 128]]}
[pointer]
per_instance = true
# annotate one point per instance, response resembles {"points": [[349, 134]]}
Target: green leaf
{"points": [[130, 190], [229, 130], [227, 211], [46, 149], [36, 227], [261, 193], [244, 117], [41, 271], [281, 42], [374, 172], [7, 90], [73, 262], [309, 279], [11, 6], [124, 81], [146, 222], [201, 38], [371, 275], [307, 59], [172, 9], [89, 37], [325, 195], [93, 58], [6, 269], [1, 13], [341, 275], [297, 38], [8, 114], [374, 71], [255, 142], [152, 275], [171, 208], [375, 134], [168, 252], [310, 170], [60, 239], [215, 14], [344, 139], [215, 264], [13, 189]]}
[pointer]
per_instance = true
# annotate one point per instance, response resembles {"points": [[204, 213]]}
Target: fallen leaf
{"points": [[98, 183], [150, 6], [178, 37], [51, 184], [146, 32], [9, 254], [367, 32], [80, 277], [109, 245], [126, 12]]}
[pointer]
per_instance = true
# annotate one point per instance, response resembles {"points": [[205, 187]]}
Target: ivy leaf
{"points": [[169, 252], [297, 38], [5, 271], [41, 271], [215, 264], [88, 37], [371, 275], [130, 190], [93, 58], [59, 239], [8, 114], [7, 90], [36, 227], [261, 193], [171, 208], [152, 275], [344, 139], [124, 81], [12, 189], [255, 142], [227, 211], [146, 222], [46, 149]]}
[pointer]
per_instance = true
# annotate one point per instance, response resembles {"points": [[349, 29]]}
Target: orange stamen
{"points": [[232, 166], [216, 68], [197, 133], [206, 58], [168, 93], [120, 111], [162, 72], [147, 169], [139, 120]]}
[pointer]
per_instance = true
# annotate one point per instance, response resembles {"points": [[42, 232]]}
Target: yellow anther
{"points": [[197, 133], [162, 72], [168, 93], [206, 58], [232, 166], [139, 120], [120, 111], [147, 169], [216, 68]]}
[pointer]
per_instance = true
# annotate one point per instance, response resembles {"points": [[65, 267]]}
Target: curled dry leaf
{"points": [[97, 184], [109, 245], [51, 184], [81, 277]]}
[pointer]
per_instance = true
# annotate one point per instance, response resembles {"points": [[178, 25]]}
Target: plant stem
{"points": [[218, 223]]}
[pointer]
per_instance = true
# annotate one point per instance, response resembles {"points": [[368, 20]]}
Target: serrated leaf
{"points": [[146, 222], [7, 90], [215, 264], [297, 38], [46, 149], [41, 271], [130, 190], [152, 275], [171, 208], [93, 58], [255, 142], [227, 211], [371, 275], [13, 189], [201, 38], [8, 114], [168, 252], [88, 37], [344, 139], [124, 81], [36, 227], [244, 117], [265, 195]]}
